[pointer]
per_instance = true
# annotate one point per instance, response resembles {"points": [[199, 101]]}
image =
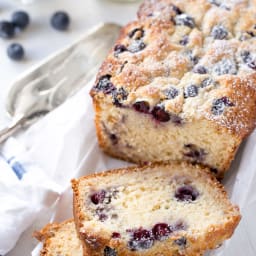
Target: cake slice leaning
{"points": [[60, 240], [158, 209]]}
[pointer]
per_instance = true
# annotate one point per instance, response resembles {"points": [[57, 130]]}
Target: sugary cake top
{"points": [[186, 60]]}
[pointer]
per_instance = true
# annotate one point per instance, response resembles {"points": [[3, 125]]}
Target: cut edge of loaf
{"points": [[215, 234]]}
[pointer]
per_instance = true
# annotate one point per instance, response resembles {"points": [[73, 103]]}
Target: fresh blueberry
{"points": [[184, 40], [186, 193], [7, 29], [225, 66], [98, 197], [119, 48], [136, 46], [141, 239], [190, 91], [15, 51], [20, 19], [185, 20], [136, 33], [104, 84], [116, 235], [194, 153], [108, 251], [161, 231], [219, 32], [171, 93], [206, 82], [160, 114], [119, 95], [141, 106], [60, 20], [218, 105], [200, 69]]}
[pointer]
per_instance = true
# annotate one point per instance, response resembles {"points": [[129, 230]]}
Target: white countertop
{"points": [[40, 39]]}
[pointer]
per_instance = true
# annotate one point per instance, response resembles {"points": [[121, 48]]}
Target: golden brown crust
{"points": [[95, 243]]}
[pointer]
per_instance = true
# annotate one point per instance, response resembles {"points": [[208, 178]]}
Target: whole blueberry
{"points": [[161, 231], [98, 197], [218, 105], [200, 69], [185, 20], [20, 19], [15, 51], [219, 32], [108, 251], [141, 106], [160, 114], [186, 193], [190, 91], [171, 92], [104, 84], [7, 29], [141, 239], [60, 20]]}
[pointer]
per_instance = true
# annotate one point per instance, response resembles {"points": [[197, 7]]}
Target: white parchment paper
{"points": [[64, 145]]}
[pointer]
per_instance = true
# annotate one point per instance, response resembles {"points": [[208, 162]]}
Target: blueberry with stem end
{"points": [[60, 20], [15, 51]]}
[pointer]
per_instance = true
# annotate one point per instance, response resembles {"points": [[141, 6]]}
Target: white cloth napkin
{"points": [[63, 145]]}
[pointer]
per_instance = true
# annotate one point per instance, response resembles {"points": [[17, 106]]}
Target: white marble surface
{"points": [[40, 40]]}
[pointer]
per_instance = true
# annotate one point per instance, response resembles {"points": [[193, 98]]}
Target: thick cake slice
{"points": [[180, 84], [172, 209], [60, 240]]}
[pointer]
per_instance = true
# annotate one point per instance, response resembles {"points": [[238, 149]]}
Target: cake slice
{"points": [[158, 209], [60, 240]]}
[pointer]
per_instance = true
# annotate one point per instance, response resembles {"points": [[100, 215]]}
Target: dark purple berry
{"points": [[186, 193], [119, 48], [116, 235], [141, 239], [247, 59], [219, 32], [136, 46], [185, 20], [108, 251], [98, 197], [15, 51], [160, 114], [184, 40], [218, 105], [136, 33], [194, 153], [7, 29], [182, 242], [171, 93], [141, 106], [20, 19], [113, 138], [60, 20], [206, 82], [104, 84], [200, 70], [190, 91], [161, 231]]}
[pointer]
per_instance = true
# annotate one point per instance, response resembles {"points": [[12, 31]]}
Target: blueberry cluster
{"points": [[142, 239], [19, 21]]}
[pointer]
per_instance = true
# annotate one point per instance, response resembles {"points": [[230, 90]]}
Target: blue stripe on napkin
{"points": [[16, 167]]}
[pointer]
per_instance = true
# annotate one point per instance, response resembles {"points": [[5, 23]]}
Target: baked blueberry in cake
{"points": [[157, 209], [183, 73]]}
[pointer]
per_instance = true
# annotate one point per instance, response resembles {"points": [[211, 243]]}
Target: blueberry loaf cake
{"points": [[157, 209], [180, 83], [60, 240]]}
